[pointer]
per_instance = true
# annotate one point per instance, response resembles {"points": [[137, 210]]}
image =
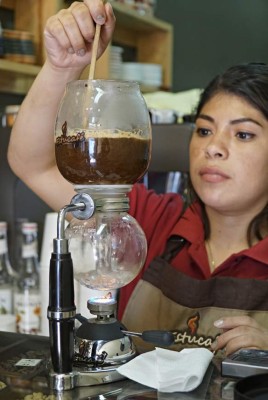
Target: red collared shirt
{"points": [[160, 216]]}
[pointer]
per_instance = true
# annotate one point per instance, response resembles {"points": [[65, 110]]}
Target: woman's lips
{"points": [[213, 175]]}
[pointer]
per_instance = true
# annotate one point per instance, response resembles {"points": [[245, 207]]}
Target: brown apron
{"points": [[167, 299]]}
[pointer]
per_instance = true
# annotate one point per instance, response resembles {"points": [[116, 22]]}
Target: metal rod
{"points": [[61, 217]]}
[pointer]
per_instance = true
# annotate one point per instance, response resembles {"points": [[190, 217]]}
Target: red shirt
{"points": [[160, 217]]}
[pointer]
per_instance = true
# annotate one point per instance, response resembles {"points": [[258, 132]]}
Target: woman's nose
{"points": [[216, 148]]}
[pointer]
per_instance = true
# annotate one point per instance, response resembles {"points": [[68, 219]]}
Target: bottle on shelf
{"points": [[27, 299], [16, 256], [7, 275]]}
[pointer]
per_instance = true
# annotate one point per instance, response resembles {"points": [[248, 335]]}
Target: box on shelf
{"points": [[19, 46]]}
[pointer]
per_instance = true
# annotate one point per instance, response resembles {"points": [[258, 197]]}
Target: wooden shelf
{"points": [[125, 16], [15, 77], [9, 4]]}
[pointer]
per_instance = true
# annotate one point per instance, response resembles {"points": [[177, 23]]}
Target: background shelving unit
{"points": [[150, 37]]}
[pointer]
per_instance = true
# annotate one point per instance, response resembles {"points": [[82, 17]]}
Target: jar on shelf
{"points": [[9, 115]]}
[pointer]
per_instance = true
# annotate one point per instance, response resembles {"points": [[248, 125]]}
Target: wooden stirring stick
{"points": [[94, 52], [92, 65]]}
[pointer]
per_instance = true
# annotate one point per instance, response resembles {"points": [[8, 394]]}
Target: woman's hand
{"points": [[69, 34], [240, 332]]}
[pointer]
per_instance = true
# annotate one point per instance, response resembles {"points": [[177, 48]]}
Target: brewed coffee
{"points": [[102, 158]]}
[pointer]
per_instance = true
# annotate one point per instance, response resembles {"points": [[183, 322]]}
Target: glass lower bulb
{"points": [[108, 250]]}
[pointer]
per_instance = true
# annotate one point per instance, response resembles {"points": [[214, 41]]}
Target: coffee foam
{"points": [[107, 133]]}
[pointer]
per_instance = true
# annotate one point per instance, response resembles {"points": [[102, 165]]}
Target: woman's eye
{"points": [[203, 131], [245, 135]]}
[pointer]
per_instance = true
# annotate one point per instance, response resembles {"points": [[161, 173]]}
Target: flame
{"points": [[107, 298]]}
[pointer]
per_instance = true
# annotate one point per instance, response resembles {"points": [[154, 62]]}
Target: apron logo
{"points": [[190, 335], [192, 324]]}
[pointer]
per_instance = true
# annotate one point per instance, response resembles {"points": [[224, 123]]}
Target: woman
{"points": [[224, 232], [206, 271]]}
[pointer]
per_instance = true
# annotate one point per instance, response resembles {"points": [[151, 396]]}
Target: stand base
{"points": [[79, 378]]}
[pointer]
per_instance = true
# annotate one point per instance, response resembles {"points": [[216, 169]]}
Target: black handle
{"points": [[61, 312], [159, 338]]}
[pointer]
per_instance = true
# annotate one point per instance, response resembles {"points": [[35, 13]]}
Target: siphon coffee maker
{"points": [[102, 146]]}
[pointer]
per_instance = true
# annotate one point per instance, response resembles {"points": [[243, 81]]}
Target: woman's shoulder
{"points": [[151, 209], [148, 199]]}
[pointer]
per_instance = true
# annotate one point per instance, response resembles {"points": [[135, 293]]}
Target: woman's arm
{"points": [[68, 40]]}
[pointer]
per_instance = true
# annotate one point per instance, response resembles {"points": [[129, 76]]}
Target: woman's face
{"points": [[229, 156]]}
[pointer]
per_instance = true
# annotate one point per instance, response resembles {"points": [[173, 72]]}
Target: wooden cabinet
{"points": [[151, 38]]}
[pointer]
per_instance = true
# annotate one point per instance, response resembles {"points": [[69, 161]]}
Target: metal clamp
{"points": [[89, 209]]}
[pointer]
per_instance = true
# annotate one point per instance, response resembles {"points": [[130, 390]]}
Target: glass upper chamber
{"points": [[103, 133], [103, 146]]}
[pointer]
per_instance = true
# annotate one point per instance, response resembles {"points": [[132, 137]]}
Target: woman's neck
{"points": [[228, 235], [233, 228]]}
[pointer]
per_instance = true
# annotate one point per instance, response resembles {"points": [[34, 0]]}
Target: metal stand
{"points": [[61, 313]]}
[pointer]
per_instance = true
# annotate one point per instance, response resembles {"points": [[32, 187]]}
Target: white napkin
{"points": [[167, 370]]}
